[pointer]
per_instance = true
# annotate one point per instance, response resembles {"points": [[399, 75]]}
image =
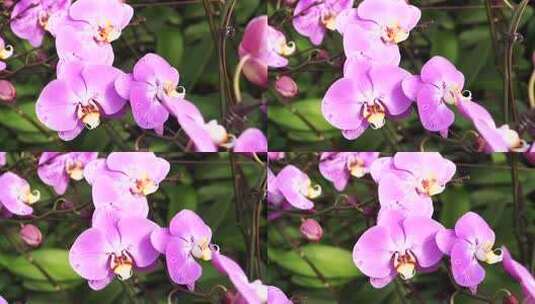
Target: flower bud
{"points": [[8, 93], [311, 230], [276, 155], [321, 54], [510, 299], [286, 86], [31, 235], [530, 155], [8, 3], [290, 2]]}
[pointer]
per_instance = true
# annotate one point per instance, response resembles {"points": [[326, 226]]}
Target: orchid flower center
{"points": [[310, 191], [219, 134], [405, 264], [144, 185], [394, 33], [6, 52], [27, 196], [171, 90], [429, 186], [356, 167], [89, 114], [43, 19], [452, 94], [484, 253], [201, 249], [122, 265], [261, 291], [107, 33], [374, 113], [75, 169], [328, 20], [284, 48], [515, 143]]}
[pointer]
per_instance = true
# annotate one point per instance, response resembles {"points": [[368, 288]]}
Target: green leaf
{"points": [[310, 109], [314, 282], [181, 197], [108, 295], [444, 43], [11, 119], [331, 262], [169, 45], [456, 202], [199, 56], [55, 261], [245, 9], [48, 287]]}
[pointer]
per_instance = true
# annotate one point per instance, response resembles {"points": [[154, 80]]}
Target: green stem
{"points": [[519, 219], [509, 97]]}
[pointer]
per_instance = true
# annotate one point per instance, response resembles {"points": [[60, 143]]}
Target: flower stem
{"points": [[237, 74], [509, 97]]}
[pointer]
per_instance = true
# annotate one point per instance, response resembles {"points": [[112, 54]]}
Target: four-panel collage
{"points": [[267, 151]]}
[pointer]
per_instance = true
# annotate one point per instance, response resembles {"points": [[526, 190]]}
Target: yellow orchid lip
{"points": [[394, 34], [219, 134], [6, 52], [356, 167], [122, 265], [487, 255], [173, 91], [405, 265], [75, 169], [430, 186], [310, 191], [107, 33], [329, 21], [375, 114], [286, 49], [89, 115], [202, 250], [28, 196], [144, 186], [43, 19]]}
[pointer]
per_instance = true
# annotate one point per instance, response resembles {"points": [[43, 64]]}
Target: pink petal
{"points": [[56, 106], [339, 105], [474, 229], [420, 232], [182, 267], [434, 114], [466, 270], [88, 255], [135, 234], [373, 252]]}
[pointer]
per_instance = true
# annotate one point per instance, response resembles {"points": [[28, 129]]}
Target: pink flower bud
{"points": [[530, 155], [286, 86], [510, 299], [8, 3], [8, 93], [290, 2], [311, 230], [31, 235], [321, 54]]}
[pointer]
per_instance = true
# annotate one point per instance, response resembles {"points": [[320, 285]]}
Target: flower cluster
{"points": [[406, 239], [89, 90], [374, 88], [122, 240]]}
